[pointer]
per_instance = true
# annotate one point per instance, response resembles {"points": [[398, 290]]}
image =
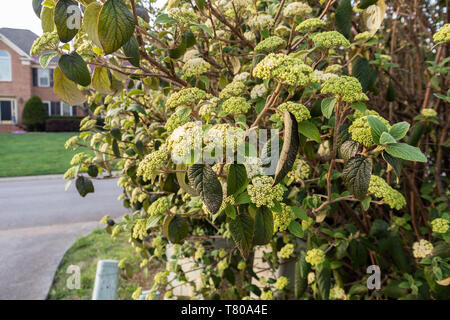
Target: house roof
{"points": [[22, 38]]}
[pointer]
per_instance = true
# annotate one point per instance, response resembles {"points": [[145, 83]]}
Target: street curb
{"points": [[32, 178]]}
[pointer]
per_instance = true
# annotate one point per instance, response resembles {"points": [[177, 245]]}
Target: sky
{"points": [[19, 14]]}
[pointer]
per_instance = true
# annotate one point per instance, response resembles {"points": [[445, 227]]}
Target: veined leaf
{"points": [[74, 67], [327, 107], [290, 147], [115, 25], [309, 130], [263, 226], [205, 182], [237, 178], [377, 127], [89, 25], [323, 276], [101, 81], [343, 20], [241, 230], [164, 18], [64, 19], [47, 21], [399, 130], [406, 152], [348, 149], [302, 269], [296, 229], [356, 175], [46, 58], [386, 138], [66, 89], [131, 50], [175, 228], [394, 162]]}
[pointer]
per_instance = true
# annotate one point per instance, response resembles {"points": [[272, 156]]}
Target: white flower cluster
{"points": [[196, 67], [184, 139], [422, 249], [258, 91], [253, 166], [243, 76], [261, 21], [262, 192], [323, 76], [297, 9]]}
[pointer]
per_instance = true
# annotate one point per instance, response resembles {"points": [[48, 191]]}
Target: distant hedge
{"points": [[63, 124]]}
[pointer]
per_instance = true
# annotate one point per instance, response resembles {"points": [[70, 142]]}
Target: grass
{"points": [[85, 253], [34, 154]]}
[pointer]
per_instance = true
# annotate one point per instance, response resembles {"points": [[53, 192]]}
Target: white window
{"points": [[5, 66], [66, 110], [44, 77]]}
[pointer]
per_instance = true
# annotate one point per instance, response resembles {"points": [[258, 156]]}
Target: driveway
{"points": [[39, 221]]}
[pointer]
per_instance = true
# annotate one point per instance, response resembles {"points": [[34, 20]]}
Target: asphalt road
{"points": [[39, 221]]}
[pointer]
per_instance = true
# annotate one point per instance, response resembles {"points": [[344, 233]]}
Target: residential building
{"points": [[22, 77]]}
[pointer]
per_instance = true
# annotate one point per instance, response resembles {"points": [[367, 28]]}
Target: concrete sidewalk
{"points": [[39, 221]]}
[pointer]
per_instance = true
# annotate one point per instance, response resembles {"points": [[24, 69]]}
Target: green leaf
{"points": [[290, 147], [399, 130], [356, 175], [328, 107], [323, 276], [386, 138], [175, 228], [395, 163], [296, 229], [204, 28], [181, 178], [309, 130], [390, 92], [416, 134], [45, 59], [398, 255], [164, 18], [348, 149], [189, 39], [93, 171], [377, 127], [361, 70], [100, 81], [263, 226], [74, 67], [241, 230], [90, 19], [243, 198], [230, 211], [47, 21], [237, 178], [37, 7], [364, 4], [63, 20], [302, 269], [343, 20], [406, 152], [178, 51], [131, 50], [299, 213], [66, 89], [115, 148], [205, 182], [115, 25], [84, 186]]}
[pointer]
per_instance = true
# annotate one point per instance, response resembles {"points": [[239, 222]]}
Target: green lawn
{"points": [[34, 154], [86, 252]]}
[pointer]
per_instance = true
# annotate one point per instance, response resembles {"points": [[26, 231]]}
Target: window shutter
{"points": [[35, 77], [51, 77]]}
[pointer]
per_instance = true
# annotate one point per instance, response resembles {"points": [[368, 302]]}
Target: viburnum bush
{"points": [[249, 135]]}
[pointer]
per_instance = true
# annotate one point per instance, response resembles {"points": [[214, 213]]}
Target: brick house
{"points": [[22, 77]]}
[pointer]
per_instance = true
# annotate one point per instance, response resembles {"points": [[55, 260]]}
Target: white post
{"points": [[106, 280]]}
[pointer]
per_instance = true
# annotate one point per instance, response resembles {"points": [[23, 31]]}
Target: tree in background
{"points": [[34, 114], [359, 90]]}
